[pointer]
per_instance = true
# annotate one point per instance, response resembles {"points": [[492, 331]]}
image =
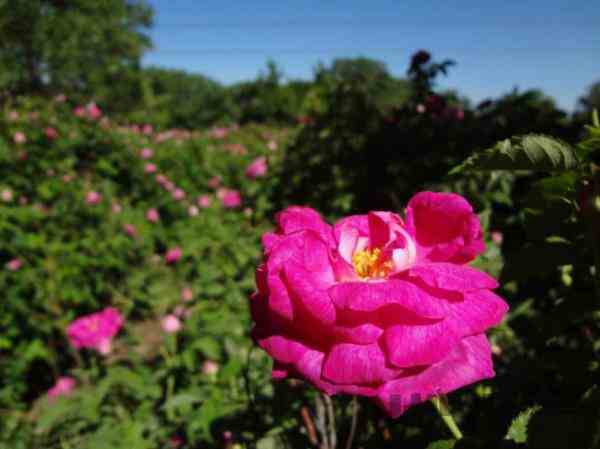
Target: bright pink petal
{"points": [[296, 218], [448, 276], [470, 361]]}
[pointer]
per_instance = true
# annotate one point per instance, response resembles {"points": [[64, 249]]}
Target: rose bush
{"points": [[376, 305]]}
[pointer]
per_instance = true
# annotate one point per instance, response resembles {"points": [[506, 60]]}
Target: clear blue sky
{"points": [[549, 44]]}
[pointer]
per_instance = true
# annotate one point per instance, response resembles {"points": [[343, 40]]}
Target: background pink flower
{"points": [[187, 294], [152, 215], [20, 137], [173, 255], [210, 368], [378, 306], [93, 198], [95, 331], [171, 324], [257, 169], [150, 168], [203, 201], [178, 194], [214, 182], [14, 264], [7, 195], [63, 387], [51, 133], [146, 153], [230, 198]]}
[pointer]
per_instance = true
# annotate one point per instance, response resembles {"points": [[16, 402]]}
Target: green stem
{"points": [[440, 404]]}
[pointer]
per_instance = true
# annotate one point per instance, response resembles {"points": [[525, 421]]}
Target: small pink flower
{"points": [[150, 168], [169, 186], [173, 255], [257, 169], [67, 178], [497, 237], [79, 111], [219, 133], [187, 294], [248, 212], [95, 331], [231, 199], [147, 129], [146, 153], [93, 198], [13, 116], [421, 108], [63, 387], [210, 368], [236, 148], [14, 264], [178, 194], [193, 211], [130, 230], [203, 201], [20, 137], [60, 98], [93, 111], [7, 195], [171, 324], [152, 215], [23, 200], [214, 182], [51, 133], [272, 145], [161, 179], [116, 208]]}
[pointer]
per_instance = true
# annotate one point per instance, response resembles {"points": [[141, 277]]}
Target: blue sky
{"points": [[553, 45]]}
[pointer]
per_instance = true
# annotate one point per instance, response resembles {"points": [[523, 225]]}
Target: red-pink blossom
{"points": [[93, 111], [63, 387], [150, 168], [173, 255], [51, 133], [377, 305], [203, 201], [147, 129], [14, 264], [95, 331], [171, 324], [20, 137], [258, 168], [130, 230], [210, 368], [152, 215], [187, 294], [497, 237], [7, 195], [146, 153], [230, 198], [178, 194], [193, 211], [93, 198]]}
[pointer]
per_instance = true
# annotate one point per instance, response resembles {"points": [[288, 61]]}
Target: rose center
{"points": [[370, 263]]}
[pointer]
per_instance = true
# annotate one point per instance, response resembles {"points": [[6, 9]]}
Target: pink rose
{"points": [[146, 153], [95, 331], [51, 133], [79, 111], [193, 211], [214, 182], [93, 111], [203, 201], [171, 324], [7, 195], [14, 264], [173, 255], [187, 294], [497, 237], [130, 230], [20, 137], [257, 169], [147, 129], [178, 194], [210, 368], [376, 305], [219, 133], [63, 387], [93, 198], [230, 198], [152, 215], [161, 179], [150, 168]]}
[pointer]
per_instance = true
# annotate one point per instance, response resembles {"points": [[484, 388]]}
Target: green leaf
{"points": [[517, 431], [442, 444], [529, 152]]}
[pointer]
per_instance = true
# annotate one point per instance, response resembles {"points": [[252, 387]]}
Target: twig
{"points": [[309, 425], [331, 419], [320, 407], [355, 409]]}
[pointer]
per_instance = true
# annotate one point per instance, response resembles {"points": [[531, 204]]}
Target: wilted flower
{"points": [[272, 145], [95, 331], [257, 169], [203, 201], [51, 133], [116, 208], [152, 215], [378, 306], [171, 324], [146, 153], [14, 264], [214, 182], [150, 168], [20, 137], [93, 198], [7, 195], [63, 387], [173, 255]]}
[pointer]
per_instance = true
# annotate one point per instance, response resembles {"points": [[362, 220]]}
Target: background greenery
{"points": [[354, 138]]}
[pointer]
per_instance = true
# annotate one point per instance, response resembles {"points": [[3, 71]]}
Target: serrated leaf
{"points": [[529, 152], [517, 431]]}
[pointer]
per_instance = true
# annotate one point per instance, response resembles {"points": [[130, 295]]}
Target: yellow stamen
{"points": [[368, 264]]}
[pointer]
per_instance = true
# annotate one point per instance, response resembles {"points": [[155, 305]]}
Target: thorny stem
{"points": [[355, 408], [441, 405]]}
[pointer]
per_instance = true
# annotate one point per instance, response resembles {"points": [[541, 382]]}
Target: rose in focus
{"points": [[378, 305]]}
